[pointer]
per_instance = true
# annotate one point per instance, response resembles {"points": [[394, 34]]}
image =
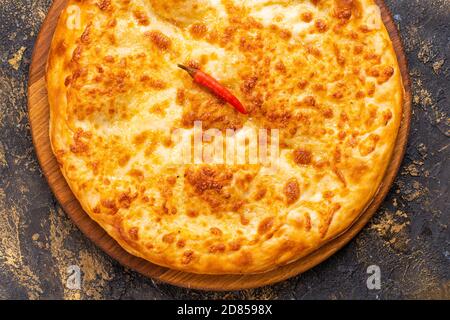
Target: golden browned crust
{"points": [[324, 72]]}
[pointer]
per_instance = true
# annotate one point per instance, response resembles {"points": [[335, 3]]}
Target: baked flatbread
{"points": [[321, 72]]}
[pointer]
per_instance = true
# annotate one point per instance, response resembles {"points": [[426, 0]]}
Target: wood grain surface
{"points": [[39, 119]]}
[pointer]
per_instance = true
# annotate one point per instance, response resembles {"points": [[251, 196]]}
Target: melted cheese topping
{"points": [[323, 72]]}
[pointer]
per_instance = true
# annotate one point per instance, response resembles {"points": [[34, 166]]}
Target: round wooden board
{"points": [[39, 120]]}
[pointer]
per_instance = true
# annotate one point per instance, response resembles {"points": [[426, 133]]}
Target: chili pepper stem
{"points": [[189, 70]]}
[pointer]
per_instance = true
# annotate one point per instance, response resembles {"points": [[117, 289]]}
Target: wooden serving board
{"points": [[39, 120]]}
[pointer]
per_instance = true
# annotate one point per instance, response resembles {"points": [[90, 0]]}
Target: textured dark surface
{"points": [[408, 239]]}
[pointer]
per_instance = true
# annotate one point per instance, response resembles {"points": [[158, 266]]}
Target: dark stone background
{"points": [[408, 238]]}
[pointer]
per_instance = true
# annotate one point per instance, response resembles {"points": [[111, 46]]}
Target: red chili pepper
{"points": [[212, 84]]}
